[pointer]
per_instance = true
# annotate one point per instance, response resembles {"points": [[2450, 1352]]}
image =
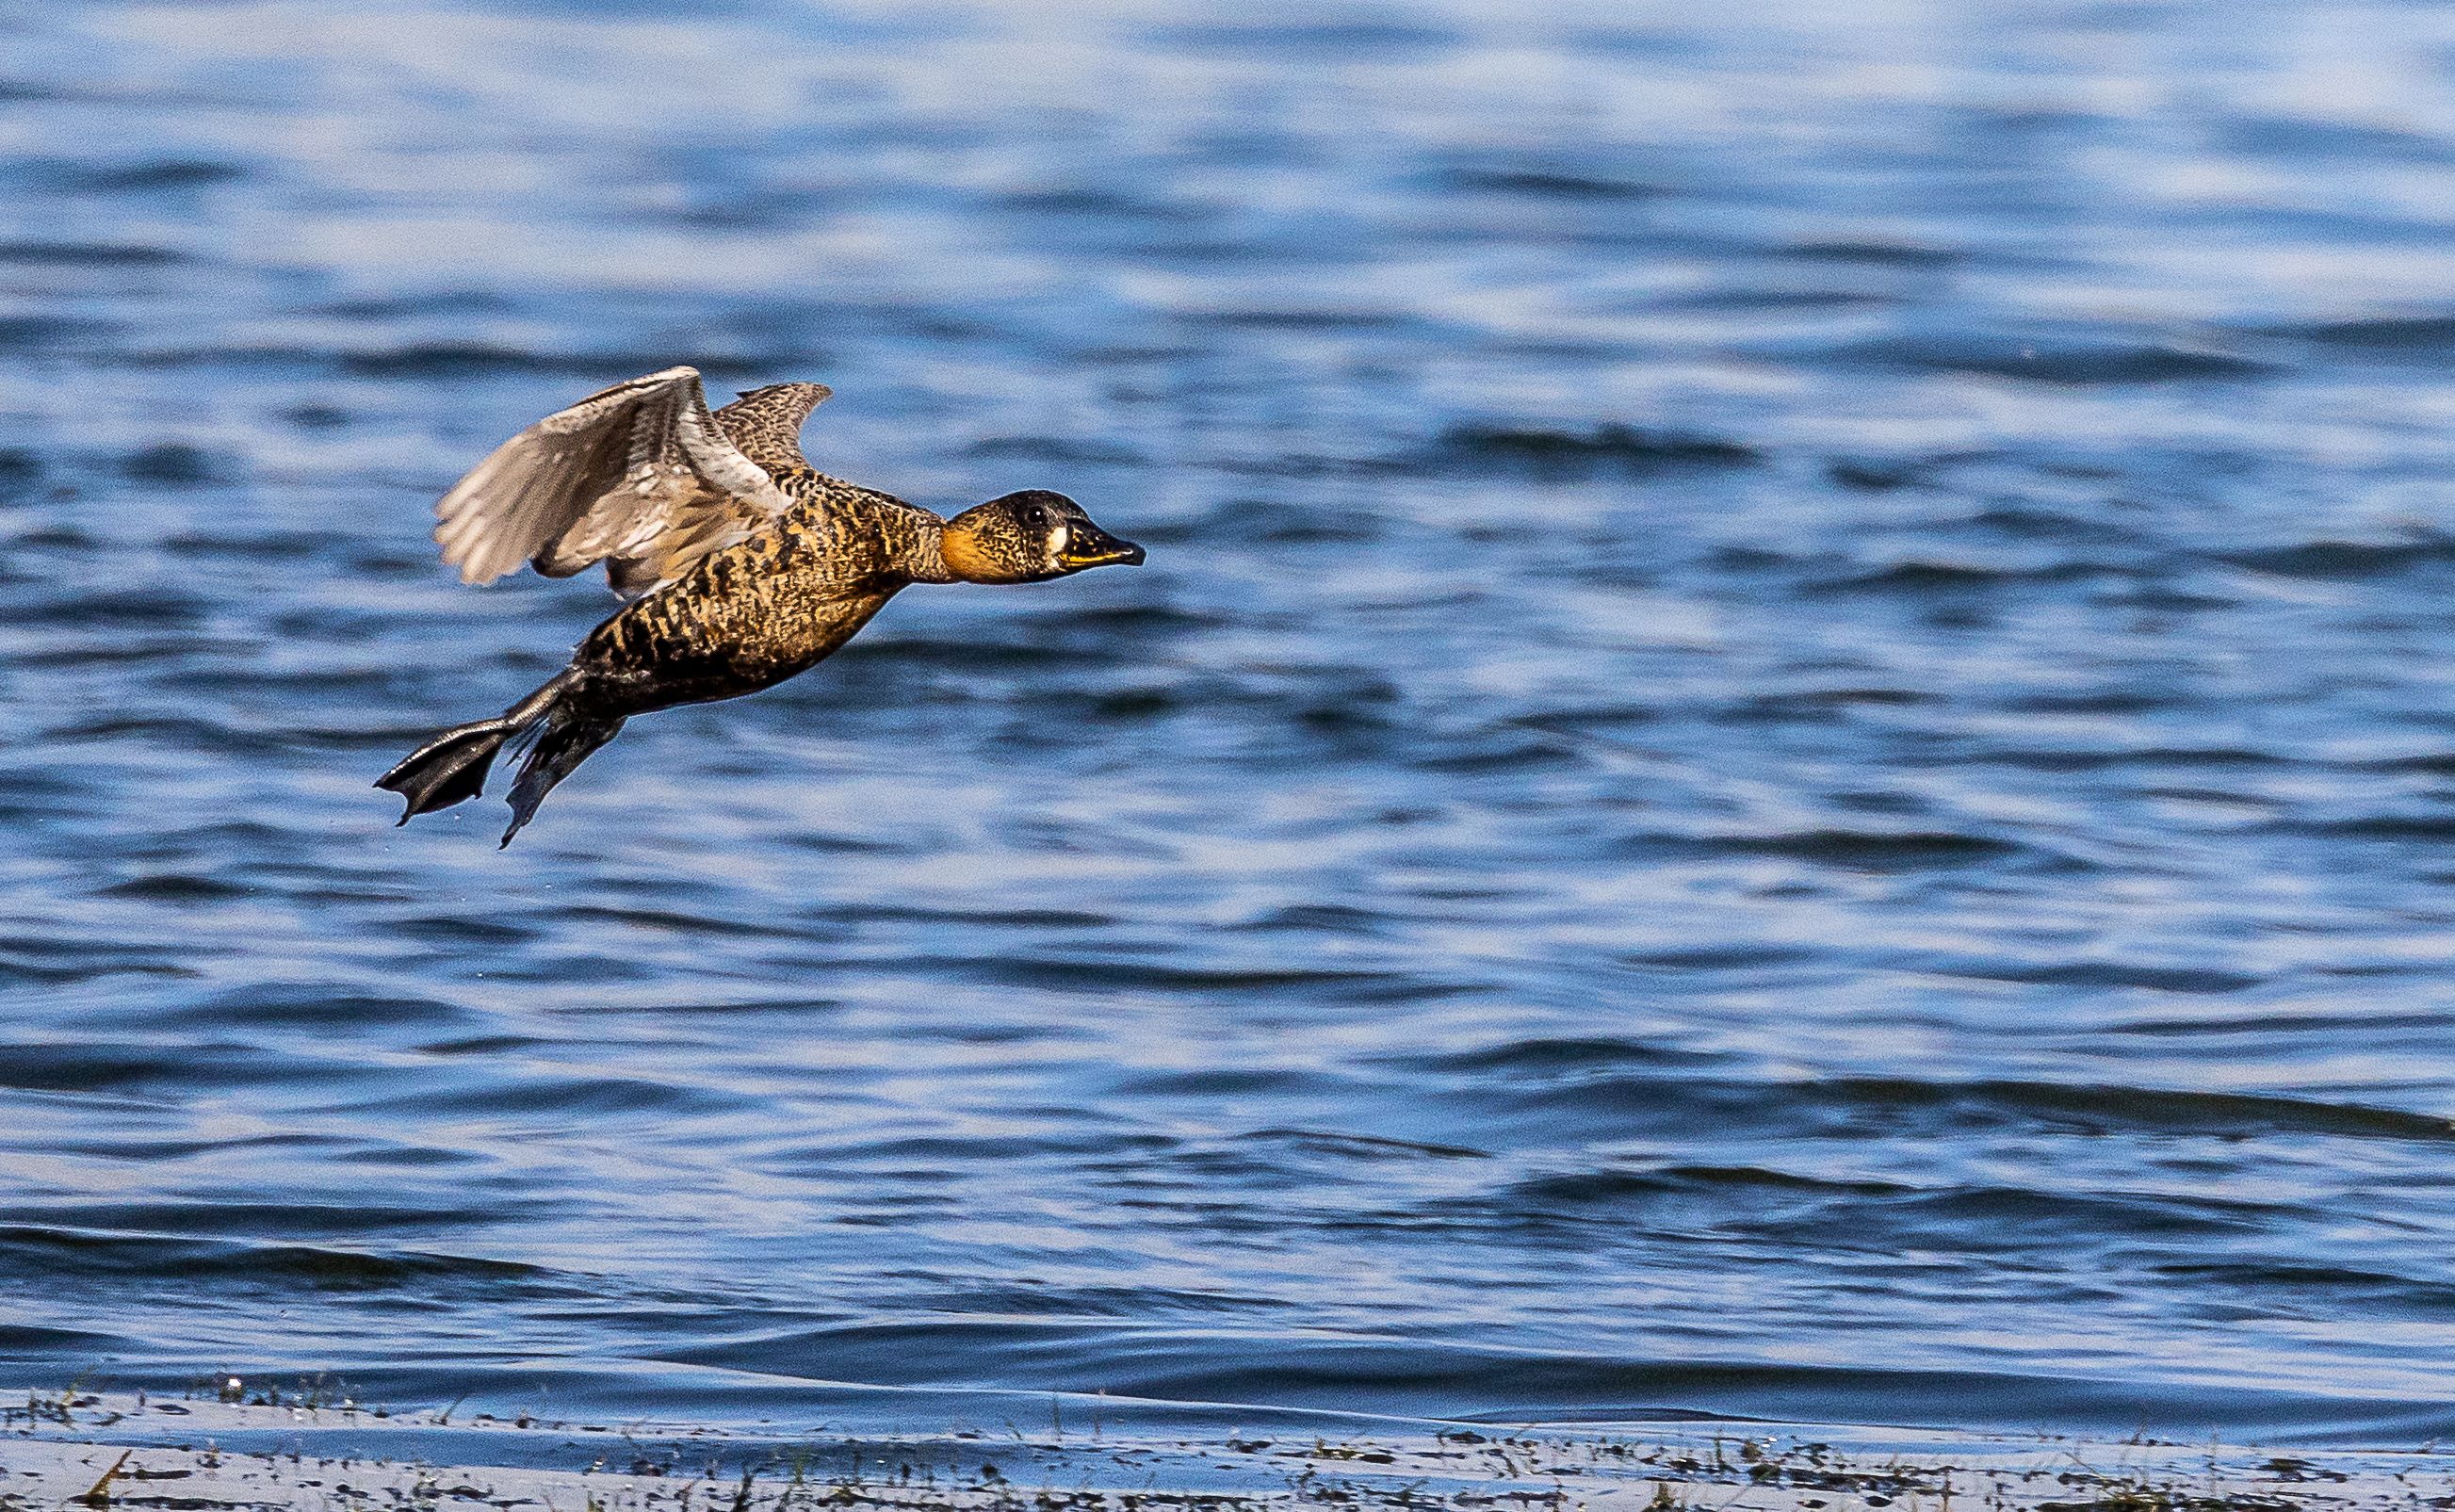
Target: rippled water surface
{"points": [[1787, 751]]}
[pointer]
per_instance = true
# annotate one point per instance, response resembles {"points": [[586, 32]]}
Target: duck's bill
{"points": [[1093, 547]]}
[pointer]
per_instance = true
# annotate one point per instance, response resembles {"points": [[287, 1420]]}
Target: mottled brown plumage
{"points": [[749, 566]]}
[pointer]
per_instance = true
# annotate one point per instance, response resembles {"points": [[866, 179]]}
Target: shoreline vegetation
{"points": [[222, 1450]]}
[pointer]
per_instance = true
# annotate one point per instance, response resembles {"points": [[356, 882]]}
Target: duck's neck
{"points": [[923, 557]]}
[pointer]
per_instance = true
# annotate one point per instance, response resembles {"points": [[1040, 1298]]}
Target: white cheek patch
{"points": [[1057, 539]]}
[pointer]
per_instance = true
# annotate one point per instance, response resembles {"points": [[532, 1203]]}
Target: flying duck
{"points": [[742, 564]]}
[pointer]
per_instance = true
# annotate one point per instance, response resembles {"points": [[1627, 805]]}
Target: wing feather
{"points": [[638, 477]]}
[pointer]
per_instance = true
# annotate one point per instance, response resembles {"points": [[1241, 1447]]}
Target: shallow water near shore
{"points": [[260, 1456], [1785, 754]]}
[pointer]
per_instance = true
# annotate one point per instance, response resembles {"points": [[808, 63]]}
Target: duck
{"points": [[740, 564]]}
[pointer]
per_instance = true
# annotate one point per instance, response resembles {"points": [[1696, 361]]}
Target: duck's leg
{"points": [[452, 767]]}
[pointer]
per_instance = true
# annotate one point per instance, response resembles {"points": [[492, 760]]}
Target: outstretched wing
{"points": [[639, 477]]}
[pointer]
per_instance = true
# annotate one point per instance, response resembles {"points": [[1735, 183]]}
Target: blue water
{"points": [[1788, 750]]}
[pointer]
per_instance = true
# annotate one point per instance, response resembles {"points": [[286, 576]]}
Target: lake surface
{"points": [[1788, 750]]}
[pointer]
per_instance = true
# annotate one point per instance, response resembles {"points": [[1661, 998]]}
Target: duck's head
{"points": [[1029, 537]]}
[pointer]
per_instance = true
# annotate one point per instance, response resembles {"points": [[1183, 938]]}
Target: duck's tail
{"points": [[452, 768]]}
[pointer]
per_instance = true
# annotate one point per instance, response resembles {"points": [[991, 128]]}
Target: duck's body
{"points": [[753, 614], [750, 566]]}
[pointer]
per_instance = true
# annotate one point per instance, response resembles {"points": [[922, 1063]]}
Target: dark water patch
{"points": [[1095, 205], [316, 417], [2433, 763], [1224, 1082], [190, 834], [262, 1222], [1620, 1188], [2283, 1282], [1025, 1299], [1316, 39], [1345, 317], [1500, 751], [1875, 253], [1878, 1108], [687, 1009], [1752, 957], [1869, 849], [38, 334], [1137, 703], [1782, 705], [942, 1155], [1607, 447], [65, 539], [2429, 829], [16, 967], [89, 1067], [176, 887], [844, 844], [21, 468], [451, 360], [1546, 1055], [313, 1006], [2012, 1217], [128, 1148], [1366, 1146], [29, 782], [2068, 363], [35, 1252], [484, 1045], [34, 1341], [409, 1158], [2138, 758], [1333, 918], [2111, 974], [2163, 599], [172, 462], [2106, 1109], [1931, 575], [2350, 560], [407, 305], [1055, 448], [564, 1095], [2416, 335], [84, 255], [475, 932], [1781, 299], [1258, 982], [2351, 1019], [151, 176], [1543, 183]]}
